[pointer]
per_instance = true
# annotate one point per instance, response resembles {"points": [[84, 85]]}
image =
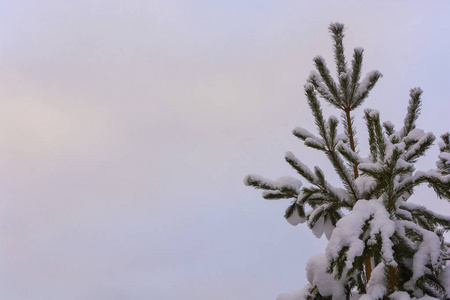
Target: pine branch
{"points": [[412, 112], [277, 195], [351, 156], [330, 151], [324, 192], [350, 134], [316, 110], [389, 128], [295, 207], [430, 219], [390, 171], [284, 187], [344, 87], [440, 184], [349, 129], [324, 82], [444, 146], [337, 33], [372, 138], [356, 70], [436, 289], [303, 134], [381, 144], [331, 126], [365, 87], [346, 178], [443, 163], [419, 148], [301, 168], [376, 137]]}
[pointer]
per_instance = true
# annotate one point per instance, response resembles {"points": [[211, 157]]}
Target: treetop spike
{"points": [[336, 28]]}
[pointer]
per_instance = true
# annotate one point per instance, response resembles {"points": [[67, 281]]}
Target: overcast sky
{"points": [[127, 127]]}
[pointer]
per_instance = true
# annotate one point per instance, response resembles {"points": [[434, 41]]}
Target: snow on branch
{"points": [[427, 256], [287, 186], [301, 168], [365, 87], [351, 236]]}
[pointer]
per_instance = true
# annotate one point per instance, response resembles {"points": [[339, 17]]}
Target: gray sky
{"points": [[126, 128]]}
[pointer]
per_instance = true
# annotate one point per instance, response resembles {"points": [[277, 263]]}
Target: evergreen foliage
{"points": [[381, 246]]}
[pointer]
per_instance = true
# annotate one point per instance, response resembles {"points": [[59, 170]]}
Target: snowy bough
{"points": [[380, 245]]}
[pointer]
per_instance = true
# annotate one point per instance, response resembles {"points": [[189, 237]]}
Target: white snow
{"points": [[416, 90], [414, 135], [389, 124], [364, 183], [445, 156], [303, 132], [341, 137], [318, 227], [287, 181], [349, 228], [316, 273], [308, 86], [314, 142], [372, 112], [374, 167], [445, 280], [400, 147], [376, 288], [333, 118], [429, 251], [295, 219], [364, 85], [278, 184]]}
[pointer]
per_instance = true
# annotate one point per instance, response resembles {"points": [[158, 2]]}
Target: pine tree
{"points": [[380, 245]]}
